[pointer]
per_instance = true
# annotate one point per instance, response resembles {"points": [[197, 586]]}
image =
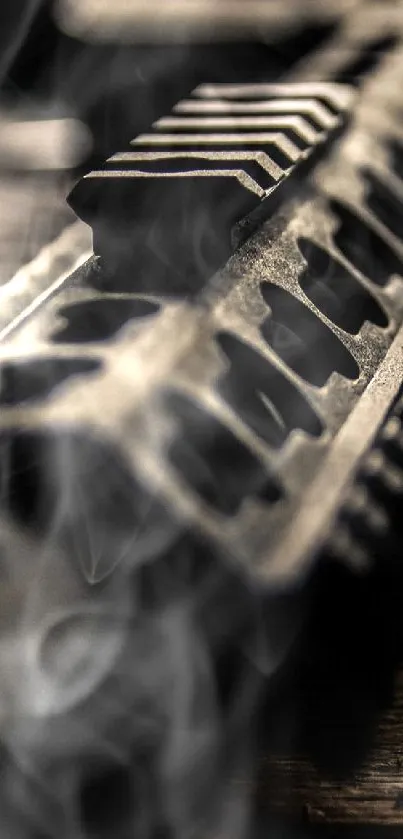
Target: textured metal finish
{"points": [[264, 361], [173, 212], [233, 423]]}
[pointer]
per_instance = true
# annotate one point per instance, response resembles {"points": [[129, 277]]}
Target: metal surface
{"points": [[173, 215], [163, 443], [192, 19], [207, 362]]}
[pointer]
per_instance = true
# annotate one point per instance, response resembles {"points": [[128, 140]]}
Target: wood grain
{"points": [[293, 787]]}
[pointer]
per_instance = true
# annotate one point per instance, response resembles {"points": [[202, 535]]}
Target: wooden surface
{"points": [[294, 788]]}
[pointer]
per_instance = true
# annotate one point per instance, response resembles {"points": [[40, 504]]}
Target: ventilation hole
{"points": [[213, 461], [27, 381], [82, 485], [363, 247], [385, 205], [302, 340], [277, 154], [336, 292], [367, 60], [108, 803], [289, 49], [98, 320], [265, 400], [395, 149]]}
